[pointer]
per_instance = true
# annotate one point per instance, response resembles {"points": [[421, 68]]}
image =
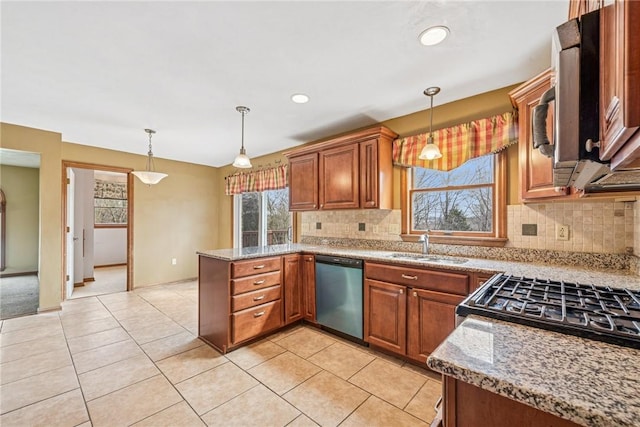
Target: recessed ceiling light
{"points": [[300, 98], [434, 35]]}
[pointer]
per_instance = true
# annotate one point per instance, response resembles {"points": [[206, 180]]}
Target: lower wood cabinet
{"points": [[465, 405], [238, 301], [309, 287], [385, 315], [292, 281], [410, 311], [431, 317]]}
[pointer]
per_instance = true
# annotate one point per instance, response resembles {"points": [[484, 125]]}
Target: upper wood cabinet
{"points": [[620, 83], [303, 182], [349, 172], [536, 170]]}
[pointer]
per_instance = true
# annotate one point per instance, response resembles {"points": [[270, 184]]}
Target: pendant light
{"points": [[242, 161], [431, 150], [149, 176]]}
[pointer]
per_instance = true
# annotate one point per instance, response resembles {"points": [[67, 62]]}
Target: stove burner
{"points": [[597, 312]]}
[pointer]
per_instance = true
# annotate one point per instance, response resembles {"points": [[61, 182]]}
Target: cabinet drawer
{"points": [[456, 283], [251, 299], [254, 266], [252, 283], [254, 321]]}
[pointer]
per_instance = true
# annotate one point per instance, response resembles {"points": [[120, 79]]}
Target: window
{"points": [[110, 203], [467, 202], [262, 218]]}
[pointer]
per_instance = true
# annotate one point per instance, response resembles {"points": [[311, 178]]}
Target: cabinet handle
{"points": [[261, 313], [401, 291], [259, 298], [258, 267], [258, 282], [406, 276], [309, 259], [415, 294], [321, 205]]}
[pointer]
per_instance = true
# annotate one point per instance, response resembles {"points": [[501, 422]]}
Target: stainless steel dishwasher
{"points": [[339, 294]]}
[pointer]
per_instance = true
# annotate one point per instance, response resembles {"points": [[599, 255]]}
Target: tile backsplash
{"points": [[593, 226]]}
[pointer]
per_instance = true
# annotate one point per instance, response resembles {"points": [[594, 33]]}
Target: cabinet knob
{"points": [[401, 291], [258, 282], [261, 297], [321, 205], [258, 314], [415, 294], [258, 267], [406, 276]]}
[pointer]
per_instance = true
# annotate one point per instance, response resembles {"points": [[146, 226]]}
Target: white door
{"points": [[70, 230]]}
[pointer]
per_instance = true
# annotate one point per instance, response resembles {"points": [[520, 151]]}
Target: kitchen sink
{"points": [[429, 258]]}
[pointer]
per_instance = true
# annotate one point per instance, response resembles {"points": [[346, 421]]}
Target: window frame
{"points": [[495, 238]]}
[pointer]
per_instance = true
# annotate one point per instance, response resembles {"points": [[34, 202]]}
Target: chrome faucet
{"points": [[425, 242]]}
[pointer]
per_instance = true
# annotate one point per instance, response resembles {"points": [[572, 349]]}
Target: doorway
{"points": [[98, 231]]}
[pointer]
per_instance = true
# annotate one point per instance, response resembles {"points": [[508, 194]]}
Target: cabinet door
{"points": [[309, 287], [303, 182], [339, 178], [431, 318], [619, 80], [479, 279], [385, 315], [369, 174], [536, 170], [292, 288]]}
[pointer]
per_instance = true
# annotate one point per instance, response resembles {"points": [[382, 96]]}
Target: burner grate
{"points": [[597, 312]]}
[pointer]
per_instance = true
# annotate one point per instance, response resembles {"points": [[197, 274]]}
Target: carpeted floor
{"points": [[18, 296]]}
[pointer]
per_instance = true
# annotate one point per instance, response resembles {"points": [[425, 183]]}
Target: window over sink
{"points": [[466, 205]]}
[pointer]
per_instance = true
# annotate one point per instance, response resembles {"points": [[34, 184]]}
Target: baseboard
{"points": [[50, 309], [25, 273], [78, 285], [110, 265], [89, 279]]}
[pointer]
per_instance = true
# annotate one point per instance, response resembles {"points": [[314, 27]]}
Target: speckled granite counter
{"points": [[588, 382], [614, 278]]}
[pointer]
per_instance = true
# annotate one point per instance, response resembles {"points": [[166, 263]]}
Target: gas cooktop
{"points": [[597, 312]]}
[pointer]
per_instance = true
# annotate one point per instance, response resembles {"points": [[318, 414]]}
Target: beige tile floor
{"points": [[107, 281], [133, 358]]}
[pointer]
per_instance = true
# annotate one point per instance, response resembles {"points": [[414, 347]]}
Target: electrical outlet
{"points": [[562, 232], [174, 261]]}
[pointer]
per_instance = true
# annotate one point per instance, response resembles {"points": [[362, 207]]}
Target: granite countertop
{"points": [[588, 382], [614, 278]]}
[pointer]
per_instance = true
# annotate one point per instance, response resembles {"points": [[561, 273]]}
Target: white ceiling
{"points": [[101, 72]]}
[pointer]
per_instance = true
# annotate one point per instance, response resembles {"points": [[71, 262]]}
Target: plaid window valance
{"points": [[459, 143], [260, 180]]}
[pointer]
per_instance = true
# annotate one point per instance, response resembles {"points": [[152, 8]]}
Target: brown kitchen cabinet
{"points": [[339, 177], [478, 280], [465, 405], [535, 169], [303, 182], [309, 287], [385, 314], [292, 282], [620, 84], [430, 319], [239, 300], [410, 310], [349, 172]]}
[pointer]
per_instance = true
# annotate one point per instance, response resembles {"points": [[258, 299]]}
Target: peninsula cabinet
{"points": [[410, 310], [535, 169], [620, 84], [239, 300], [309, 287], [465, 405], [349, 172], [293, 301]]}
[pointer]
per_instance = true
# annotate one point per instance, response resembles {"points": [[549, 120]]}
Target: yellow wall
{"points": [[465, 110], [20, 186], [173, 219]]}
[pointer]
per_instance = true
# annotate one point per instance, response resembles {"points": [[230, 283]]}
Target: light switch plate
{"points": [[562, 232]]}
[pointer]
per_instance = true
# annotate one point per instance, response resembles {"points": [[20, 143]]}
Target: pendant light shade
{"points": [[430, 150], [149, 176], [242, 160]]}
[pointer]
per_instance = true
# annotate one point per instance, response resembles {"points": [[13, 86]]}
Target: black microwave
{"points": [[575, 97]]}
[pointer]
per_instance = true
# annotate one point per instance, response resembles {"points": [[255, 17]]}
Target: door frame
{"points": [[80, 165]]}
